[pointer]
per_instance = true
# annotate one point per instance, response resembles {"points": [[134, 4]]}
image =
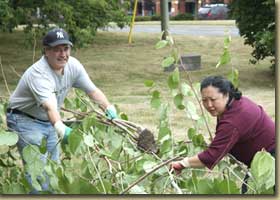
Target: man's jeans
{"points": [[32, 131]]}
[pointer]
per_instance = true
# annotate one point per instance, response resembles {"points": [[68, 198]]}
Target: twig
{"points": [[4, 97], [125, 129], [195, 94], [179, 191], [34, 47], [242, 181], [97, 172], [130, 123], [15, 71], [238, 162], [149, 173], [4, 77]]}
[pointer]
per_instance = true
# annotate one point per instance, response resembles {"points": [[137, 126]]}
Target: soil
{"points": [[146, 141]]}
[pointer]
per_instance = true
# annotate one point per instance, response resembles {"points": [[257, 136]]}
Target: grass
{"points": [[120, 69]]}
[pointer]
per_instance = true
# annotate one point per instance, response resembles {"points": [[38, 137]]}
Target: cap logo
{"points": [[59, 35]]}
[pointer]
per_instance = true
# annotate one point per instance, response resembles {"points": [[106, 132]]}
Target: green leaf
{"points": [[227, 41], [224, 59], [87, 188], [74, 141], [88, 122], [156, 94], [105, 153], [178, 101], [166, 146], [191, 133], [168, 61], [88, 140], [116, 141], [4, 149], [13, 188], [149, 83], [123, 116], [148, 166], [233, 77], [160, 44], [191, 111], [198, 140], [43, 146], [155, 101], [107, 186], [186, 90], [137, 190], [176, 75], [34, 165], [205, 186], [8, 138], [225, 186], [163, 131], [263, 169]]}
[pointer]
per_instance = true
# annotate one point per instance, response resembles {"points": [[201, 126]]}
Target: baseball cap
{"points": [[56, 37]]}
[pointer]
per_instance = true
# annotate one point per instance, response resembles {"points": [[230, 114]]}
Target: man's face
{"points": [[58, 56]]}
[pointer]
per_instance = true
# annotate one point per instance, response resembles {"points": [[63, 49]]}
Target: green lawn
{"points": [[120, 69]]}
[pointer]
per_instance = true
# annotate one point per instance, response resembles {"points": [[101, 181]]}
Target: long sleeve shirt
{"points": [[242, 130]]}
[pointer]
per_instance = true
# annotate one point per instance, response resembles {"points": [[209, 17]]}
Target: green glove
{"points": [[63, 131], [67, 132], [111, 112]]}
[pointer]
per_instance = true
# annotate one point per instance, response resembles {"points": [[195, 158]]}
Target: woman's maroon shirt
{"points": [[242, 130]]}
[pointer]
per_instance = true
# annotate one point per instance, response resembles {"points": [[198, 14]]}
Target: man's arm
{"points": [[99, 97], [51, 108]]}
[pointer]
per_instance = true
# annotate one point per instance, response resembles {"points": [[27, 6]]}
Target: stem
{"points": [[196, 96], [18, 75], [149, 173], [97, 172], [4, 77], [34, 47], [241, 179], [179, 191]]}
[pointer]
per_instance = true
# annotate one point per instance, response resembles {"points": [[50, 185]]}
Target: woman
{"points": [[242, 129]]}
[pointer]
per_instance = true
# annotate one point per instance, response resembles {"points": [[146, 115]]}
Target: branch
{"points": [[195, 94], [14, 70], [149, 173], [4, 77]]}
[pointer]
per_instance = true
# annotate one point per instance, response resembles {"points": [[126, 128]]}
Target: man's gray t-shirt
{"points": [[40, 83]]}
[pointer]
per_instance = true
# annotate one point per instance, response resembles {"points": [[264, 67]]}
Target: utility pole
{"points": [[164, 18]]}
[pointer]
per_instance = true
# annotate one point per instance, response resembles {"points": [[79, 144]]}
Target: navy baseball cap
{"points": [[56, 37]]}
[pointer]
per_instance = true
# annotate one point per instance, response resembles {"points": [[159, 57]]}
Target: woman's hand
{"points": [[177, 167]]}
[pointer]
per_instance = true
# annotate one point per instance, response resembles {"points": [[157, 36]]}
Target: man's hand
{"points": [[111, 112], [63, 131]]}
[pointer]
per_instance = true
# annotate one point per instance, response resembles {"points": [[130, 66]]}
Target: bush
{"points": [[156, 18], [183, 16], [256, 23], [142, 18]]}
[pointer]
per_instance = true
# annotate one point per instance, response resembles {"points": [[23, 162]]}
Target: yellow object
{"points": [[132, 22]]}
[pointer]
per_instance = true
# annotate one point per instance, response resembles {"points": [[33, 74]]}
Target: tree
{"points": [[256, 22], [80, 18]]}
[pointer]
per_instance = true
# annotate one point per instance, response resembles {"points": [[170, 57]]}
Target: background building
{"points": [[175, 7]]}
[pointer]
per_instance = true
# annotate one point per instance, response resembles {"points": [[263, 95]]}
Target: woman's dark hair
{"points": [[225, 87]]}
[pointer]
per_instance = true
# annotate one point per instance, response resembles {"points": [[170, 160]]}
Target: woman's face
{"points": [[214, 101]]}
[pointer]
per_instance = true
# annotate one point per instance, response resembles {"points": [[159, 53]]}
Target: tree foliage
{"points": [[80, 18], [256, 22]]}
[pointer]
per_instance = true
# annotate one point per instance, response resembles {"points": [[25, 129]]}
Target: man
{"points": [[33, 110]]}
